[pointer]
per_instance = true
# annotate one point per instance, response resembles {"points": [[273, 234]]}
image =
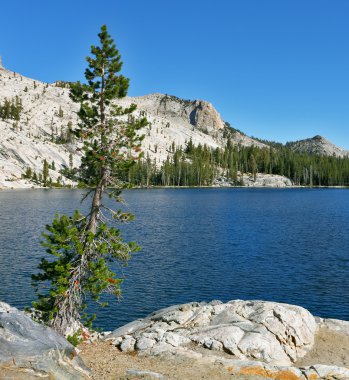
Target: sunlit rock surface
{"points": [[249, 338], [267, 331], [29, 350]]}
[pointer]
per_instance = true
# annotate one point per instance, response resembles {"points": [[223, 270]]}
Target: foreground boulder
{"points": [[29, 350], [270, 332], [248, 338]]}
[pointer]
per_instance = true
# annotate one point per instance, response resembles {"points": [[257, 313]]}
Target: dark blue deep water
{"points": [[285, 245]]}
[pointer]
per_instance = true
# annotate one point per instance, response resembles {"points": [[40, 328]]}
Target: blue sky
{"points": [[275, 69]]}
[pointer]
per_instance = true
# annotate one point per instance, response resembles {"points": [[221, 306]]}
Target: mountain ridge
{"points": [[40, 128], [317, 145]]}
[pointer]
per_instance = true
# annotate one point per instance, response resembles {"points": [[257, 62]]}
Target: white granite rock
{"points": [[144, 343], [267, 331], [327, 371], [128, 344], [174, 339], [248, 180]]}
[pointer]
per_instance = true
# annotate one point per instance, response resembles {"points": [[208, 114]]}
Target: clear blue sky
{"points": [[276, 69]]}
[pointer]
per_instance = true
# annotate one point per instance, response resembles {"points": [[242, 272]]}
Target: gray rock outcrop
{"points": [[273, 333], [199, 113], [266, 180], [261, 180], [29, 350]]}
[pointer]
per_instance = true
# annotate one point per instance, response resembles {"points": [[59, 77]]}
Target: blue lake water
{"points": [[285, 245]]}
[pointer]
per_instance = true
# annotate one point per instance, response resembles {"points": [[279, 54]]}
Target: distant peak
{"points": [[318, 137]]}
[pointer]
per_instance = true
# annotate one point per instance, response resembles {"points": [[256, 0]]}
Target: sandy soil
{"points": [[331, 348], [108, 363]]}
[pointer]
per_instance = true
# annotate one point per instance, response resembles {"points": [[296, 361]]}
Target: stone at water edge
{"points": [[29, 350], [262, 180], [271, 332]]}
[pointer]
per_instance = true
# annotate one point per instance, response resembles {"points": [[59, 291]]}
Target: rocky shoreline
{"points": [[238, 339], [246, 180]]}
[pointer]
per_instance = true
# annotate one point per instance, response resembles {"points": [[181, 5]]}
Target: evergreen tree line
{"points": [[201, 165], [43, 178], [11, 109]]}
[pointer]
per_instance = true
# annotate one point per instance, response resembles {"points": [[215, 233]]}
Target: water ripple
{"points": [[287, 245]]}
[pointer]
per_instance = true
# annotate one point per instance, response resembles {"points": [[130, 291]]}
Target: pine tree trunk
{"points": [[66, 322], [96, 202], [98, 194]]}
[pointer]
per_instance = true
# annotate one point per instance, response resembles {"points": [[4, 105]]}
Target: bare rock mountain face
{"points": [[200, 114], [317, 145], [35, 128], [175, 120], [38, 129]]}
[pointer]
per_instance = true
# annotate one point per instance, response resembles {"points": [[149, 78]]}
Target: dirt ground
{"points": [[108, 363], [330, 348]]}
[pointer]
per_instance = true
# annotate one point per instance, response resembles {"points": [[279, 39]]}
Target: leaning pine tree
{"points": [[84, 246]]}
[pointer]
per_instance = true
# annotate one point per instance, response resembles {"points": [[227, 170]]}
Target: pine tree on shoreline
{"points": [[83, 246]]}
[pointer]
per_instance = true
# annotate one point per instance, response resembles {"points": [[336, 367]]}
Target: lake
{"points": [[284, 245]]}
